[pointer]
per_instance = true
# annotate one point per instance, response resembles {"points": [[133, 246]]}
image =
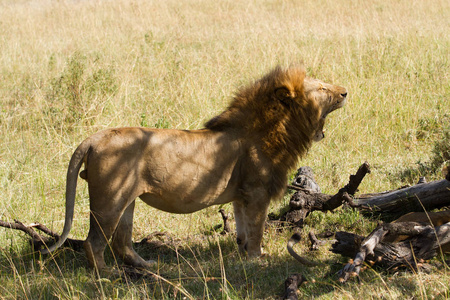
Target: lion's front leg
{"points": [[255, 217], [241, 227], [250, 219]]}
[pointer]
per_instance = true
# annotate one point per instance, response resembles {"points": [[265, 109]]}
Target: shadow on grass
{"points": [[198, 267]]}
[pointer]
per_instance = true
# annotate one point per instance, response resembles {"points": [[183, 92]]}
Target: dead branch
{"points": [[422, 196], [305, 201], [155, 240], [37, 240], [226, 225], [291, 286], [423, 243], [355, 180], [367, 247], [304, 180], [315, 243], [28, 229], [403, 243]]}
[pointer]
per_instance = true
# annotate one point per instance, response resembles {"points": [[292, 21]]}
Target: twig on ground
{"points": [[291, 286], [226, 225]]}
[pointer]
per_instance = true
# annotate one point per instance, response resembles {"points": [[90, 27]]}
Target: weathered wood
{"points": [[420, 197], [347, 243], [291, 286], [37, 240], [28, 229], [424, 243], [305, 200], [355, 180], [304, 179], [226, 225], [315, 243], [367, 247]]}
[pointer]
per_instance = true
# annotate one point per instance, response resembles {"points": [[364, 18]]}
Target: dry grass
{"points": [[70, 68]]}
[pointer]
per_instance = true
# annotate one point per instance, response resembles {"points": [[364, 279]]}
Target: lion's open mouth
{"points": [[320, 131]]}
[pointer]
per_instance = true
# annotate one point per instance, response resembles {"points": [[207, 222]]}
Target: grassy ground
{"points": [[71, 68]]}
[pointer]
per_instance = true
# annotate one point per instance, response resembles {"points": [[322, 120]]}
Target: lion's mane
{"points": [[281, 126]]}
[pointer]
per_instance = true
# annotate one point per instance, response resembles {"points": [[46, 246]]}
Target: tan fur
{"points": [[242, 156], [295, 239]]}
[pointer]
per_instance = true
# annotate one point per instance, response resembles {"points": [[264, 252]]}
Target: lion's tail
{"points": [[71, 185], [295, 238]]}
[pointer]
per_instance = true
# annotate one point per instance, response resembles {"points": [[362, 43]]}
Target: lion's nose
{"points": [[344, 94]]}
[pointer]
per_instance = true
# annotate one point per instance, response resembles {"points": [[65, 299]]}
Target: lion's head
{"points": [[330, 97], [285, 110], [282, 113]]}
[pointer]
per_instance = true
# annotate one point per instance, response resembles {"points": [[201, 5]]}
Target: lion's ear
{"points": [[283, 94]]}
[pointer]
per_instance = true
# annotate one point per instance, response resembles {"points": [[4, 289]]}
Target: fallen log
{"points": [[291, 286], [420, 197], [306, 199], [423, 196], [392, 245], [419, 242], [37, 240]]}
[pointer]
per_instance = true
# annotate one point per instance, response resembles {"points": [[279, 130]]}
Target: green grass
{"points": [[71, 68]]}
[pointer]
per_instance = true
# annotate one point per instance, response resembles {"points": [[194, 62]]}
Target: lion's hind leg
{"points": [[104, 220], [94, 245], [122, 241]]}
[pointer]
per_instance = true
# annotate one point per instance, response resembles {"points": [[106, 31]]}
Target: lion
{"points": [[242, 156]]}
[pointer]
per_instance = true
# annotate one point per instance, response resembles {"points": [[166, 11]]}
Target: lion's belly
{"points": [[191, 192], [189, 189], [180, 204]]}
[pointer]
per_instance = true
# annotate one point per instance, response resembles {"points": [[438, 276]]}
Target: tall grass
{"points": [[71, 68]]}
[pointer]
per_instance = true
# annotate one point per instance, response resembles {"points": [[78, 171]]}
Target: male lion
{"points": [[242, 156]]}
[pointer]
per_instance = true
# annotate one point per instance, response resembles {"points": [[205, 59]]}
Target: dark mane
{"points": [[274, 115]]}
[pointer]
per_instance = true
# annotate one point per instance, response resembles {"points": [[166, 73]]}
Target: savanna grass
{"points": [[71, 68]]}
